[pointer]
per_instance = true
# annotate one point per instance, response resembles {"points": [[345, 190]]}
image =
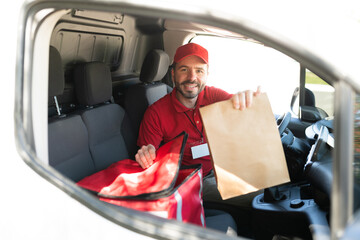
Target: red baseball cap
{"points": [[189, 50]]}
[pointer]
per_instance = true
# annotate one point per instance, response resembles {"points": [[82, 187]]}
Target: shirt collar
{"points": [[179, 107]]}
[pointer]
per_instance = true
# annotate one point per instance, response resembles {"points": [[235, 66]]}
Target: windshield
{"points": [[237, 65]]}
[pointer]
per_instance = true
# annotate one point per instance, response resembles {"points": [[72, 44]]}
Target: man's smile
{"points": [[190, 86]]}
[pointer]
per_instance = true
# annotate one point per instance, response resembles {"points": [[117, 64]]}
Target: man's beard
{"points": [[189, 95]]}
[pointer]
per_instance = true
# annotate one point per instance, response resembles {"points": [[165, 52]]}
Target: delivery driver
{"points": [[178, 111]]}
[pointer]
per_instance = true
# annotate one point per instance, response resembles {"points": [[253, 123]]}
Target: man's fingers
{"points": [[258, 91], [139, 160], [249, 97], [146, 155], [236, 101], [152, 151], [242, 99], [149, 153]]}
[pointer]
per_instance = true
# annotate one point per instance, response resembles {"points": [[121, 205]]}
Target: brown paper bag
{"points": [[245, 147]]}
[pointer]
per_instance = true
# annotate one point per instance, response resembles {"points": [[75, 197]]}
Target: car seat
{"points": [[67, 135], [140, 96], [110, 133]]}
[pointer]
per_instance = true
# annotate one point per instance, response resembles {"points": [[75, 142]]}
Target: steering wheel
{"points": [[283, 121]]}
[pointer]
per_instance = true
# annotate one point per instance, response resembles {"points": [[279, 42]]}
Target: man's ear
{"points": [[172, 75]]}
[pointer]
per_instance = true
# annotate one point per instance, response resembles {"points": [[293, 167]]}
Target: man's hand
{"points": [[242, 100], [146, 155]]}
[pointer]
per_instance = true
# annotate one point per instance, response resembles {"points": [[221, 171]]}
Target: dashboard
{"points": [[304, 201]]}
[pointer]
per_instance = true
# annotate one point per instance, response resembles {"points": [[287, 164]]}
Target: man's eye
{"points": [[200, 71]]}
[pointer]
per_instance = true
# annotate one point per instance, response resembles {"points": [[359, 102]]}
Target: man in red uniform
{"points": [[179, 111]]}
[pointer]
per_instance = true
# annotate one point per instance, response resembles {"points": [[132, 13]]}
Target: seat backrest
{"points": [[140, 96], [309, 98], [56, 81], [67, 135], [110, 134], [68, 147]]}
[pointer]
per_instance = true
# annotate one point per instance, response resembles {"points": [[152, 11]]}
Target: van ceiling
{"points": [[203, 29]]}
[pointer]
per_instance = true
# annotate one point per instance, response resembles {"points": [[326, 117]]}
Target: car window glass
{"points": [[357, 153], [237, 65], [322, 91]]}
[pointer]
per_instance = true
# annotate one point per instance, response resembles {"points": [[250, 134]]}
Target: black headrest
{"points": [[309, 98], [56, 73], [92, 83], [155, 66]]}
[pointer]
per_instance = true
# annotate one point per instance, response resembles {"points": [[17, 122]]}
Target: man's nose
{"points": [[192, 75]]}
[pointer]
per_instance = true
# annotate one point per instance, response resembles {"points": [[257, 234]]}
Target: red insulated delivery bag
{"points": [[163, 189]]}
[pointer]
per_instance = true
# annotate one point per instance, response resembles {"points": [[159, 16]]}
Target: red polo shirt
{"points": [[167, 118]]}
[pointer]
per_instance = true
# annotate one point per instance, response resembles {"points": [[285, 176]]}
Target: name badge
{"points": [[199, 151]]}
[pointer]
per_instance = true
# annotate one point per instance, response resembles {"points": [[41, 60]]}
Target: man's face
{"points": [[190, 76]]}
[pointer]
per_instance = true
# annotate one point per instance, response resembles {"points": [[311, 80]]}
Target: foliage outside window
{"points": [[323, 92], [357, 150]]}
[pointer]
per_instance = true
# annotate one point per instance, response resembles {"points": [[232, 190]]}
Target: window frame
{"points": [[23, 114]]}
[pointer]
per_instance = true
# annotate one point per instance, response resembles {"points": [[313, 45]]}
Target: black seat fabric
{"points": [[92, 83], [56, 73], [67, 135], [221, 221], [56, 80], [155, 66], [64, 91], [138, 97], [110, 136], [309, 98], [68, 147]]}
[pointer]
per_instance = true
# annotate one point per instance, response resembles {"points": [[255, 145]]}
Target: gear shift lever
{"points": [[273, 194]]}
